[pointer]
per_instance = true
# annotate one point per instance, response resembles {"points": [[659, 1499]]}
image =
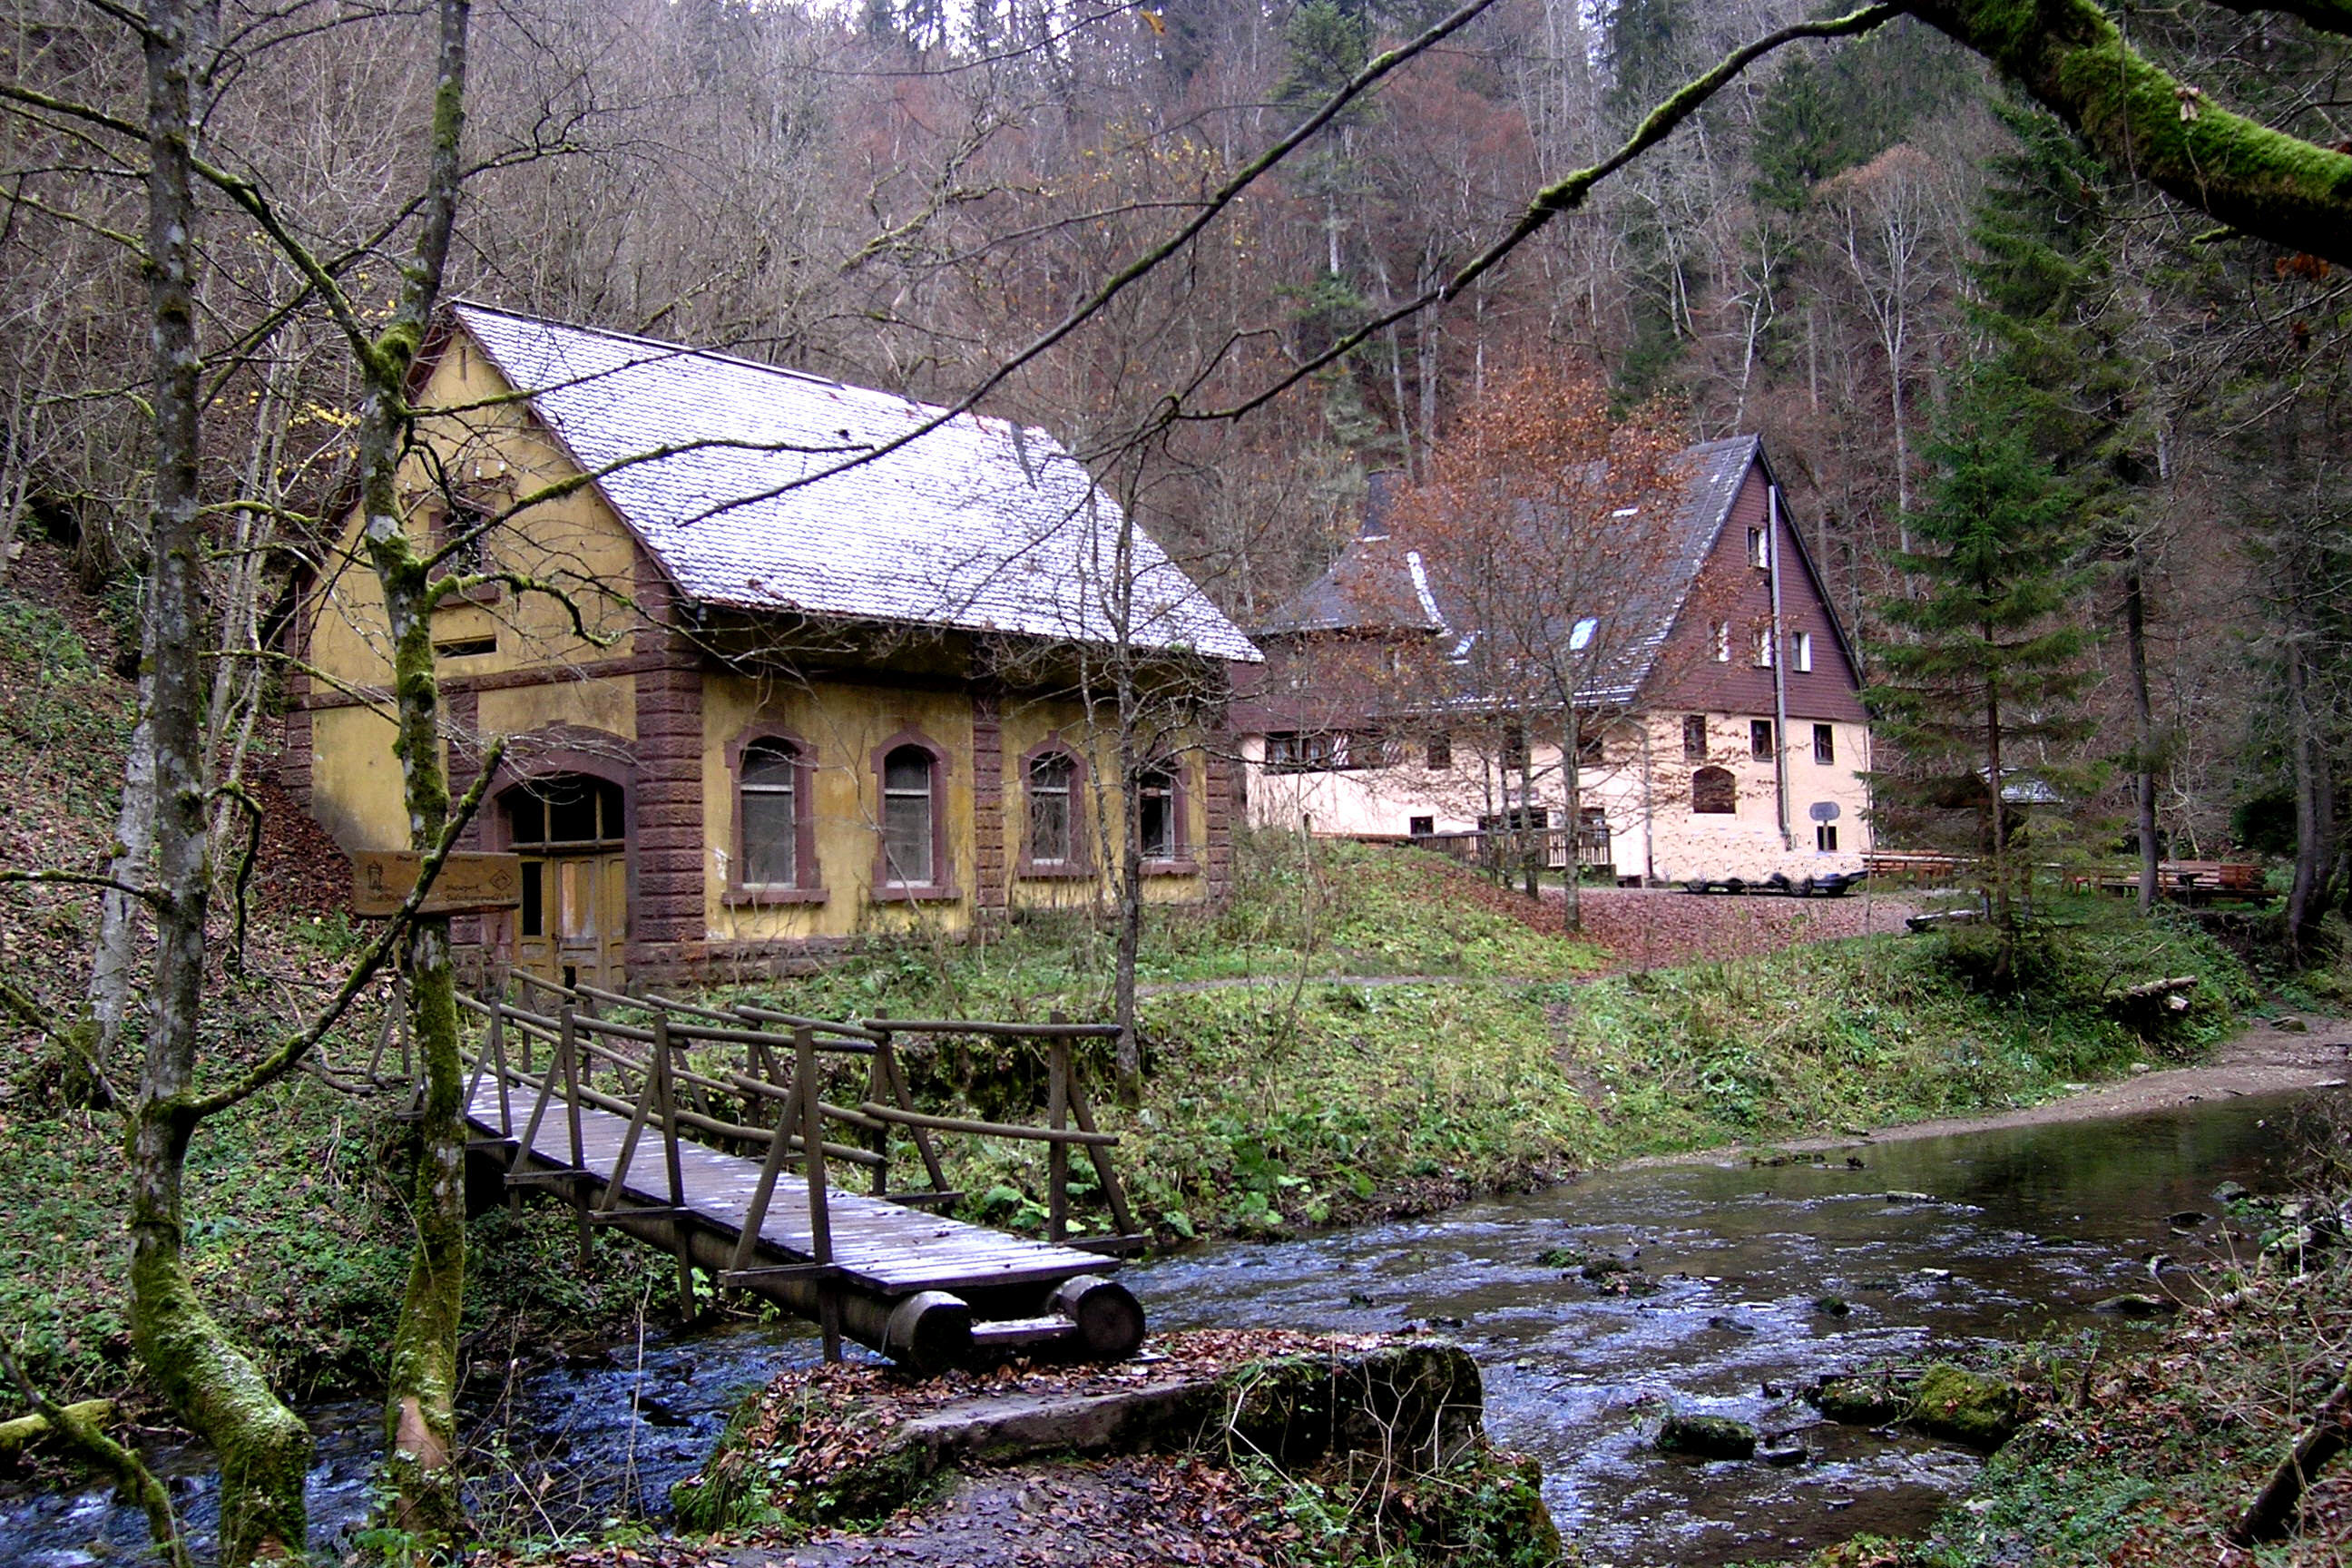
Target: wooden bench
{"points": [[1910, 868], [2187, 881]]}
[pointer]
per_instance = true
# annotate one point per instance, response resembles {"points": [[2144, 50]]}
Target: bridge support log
{"points": [[928, 1331], [1109, 1319]]}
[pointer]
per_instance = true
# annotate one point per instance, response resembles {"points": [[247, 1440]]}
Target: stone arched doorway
{"points": [[572, 831]]}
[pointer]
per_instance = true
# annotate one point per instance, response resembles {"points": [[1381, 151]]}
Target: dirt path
{"points": [[1133, 1512], [2264, 1059]]}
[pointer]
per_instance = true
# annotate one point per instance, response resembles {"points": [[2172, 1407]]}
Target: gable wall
{"points": [[542, 672], [1689, 678]]}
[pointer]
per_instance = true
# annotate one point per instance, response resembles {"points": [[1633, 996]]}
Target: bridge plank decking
{"points": [[888, 1247]]}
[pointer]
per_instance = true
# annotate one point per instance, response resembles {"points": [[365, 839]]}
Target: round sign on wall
{"points": [[1824, 811]]}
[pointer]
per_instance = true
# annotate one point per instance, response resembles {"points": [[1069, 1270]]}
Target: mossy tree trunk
{"points": [[2144, 752], [420, 1406], [265, 1450], [421, 1385]]}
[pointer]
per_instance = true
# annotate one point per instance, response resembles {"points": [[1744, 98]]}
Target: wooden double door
{"points": [[572, 832]]}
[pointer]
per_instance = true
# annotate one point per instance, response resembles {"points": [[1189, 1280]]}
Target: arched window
{"points": [[773, 859], [770, 782], [1053, 822], [909, 815], [1715, 793]]}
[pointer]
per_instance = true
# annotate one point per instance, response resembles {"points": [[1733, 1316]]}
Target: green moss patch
{"points": [[1969, 1408]]}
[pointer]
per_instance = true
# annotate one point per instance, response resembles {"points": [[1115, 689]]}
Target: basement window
{"points": [[1825, 837], [466, 648]]}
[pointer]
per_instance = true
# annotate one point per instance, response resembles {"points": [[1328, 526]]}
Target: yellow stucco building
{"points": [[758, 703]]}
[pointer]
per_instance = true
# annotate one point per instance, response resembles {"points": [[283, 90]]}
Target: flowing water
{"points": [[2027, 1230]]}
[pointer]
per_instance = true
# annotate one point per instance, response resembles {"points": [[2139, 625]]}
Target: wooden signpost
{"points": [[469, 884]]}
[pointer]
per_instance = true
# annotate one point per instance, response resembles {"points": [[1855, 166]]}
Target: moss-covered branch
{"points": [[82, 1428], [2072, 57]]}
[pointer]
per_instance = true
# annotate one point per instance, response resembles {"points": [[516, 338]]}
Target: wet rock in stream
{"points": [[1859, 1400], [1707, 1436]]}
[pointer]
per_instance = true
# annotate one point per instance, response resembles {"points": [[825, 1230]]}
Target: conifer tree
{"points": [[2046, 304], [1982, 681], [1802, 137]]}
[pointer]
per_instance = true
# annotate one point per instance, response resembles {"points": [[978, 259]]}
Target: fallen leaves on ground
{"points": [[1657, 928]]}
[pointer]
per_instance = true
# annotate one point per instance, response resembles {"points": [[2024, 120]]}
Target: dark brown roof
{"points": [[1379, 585]]}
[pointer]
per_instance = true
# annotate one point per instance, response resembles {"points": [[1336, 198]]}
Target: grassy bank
{"points": [[1300, 1099], [296, 1235]]}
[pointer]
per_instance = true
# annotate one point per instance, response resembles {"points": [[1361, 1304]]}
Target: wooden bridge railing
{"points": [[769, 1098]]}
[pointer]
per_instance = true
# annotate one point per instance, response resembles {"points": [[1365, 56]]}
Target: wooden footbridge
{"points": [[711, 1134]]}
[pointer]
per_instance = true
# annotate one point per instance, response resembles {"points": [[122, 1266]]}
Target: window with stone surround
{"points": [[774, 859], [1052, 782], [1159, 823], [909, 813], [910, 851], [769, 785]]}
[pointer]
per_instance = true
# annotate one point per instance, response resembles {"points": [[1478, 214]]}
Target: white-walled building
{"points": [[1733, 741]]}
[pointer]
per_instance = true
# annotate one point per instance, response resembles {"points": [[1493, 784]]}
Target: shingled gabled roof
{"points": [[1379, 585], [981, 525]]}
